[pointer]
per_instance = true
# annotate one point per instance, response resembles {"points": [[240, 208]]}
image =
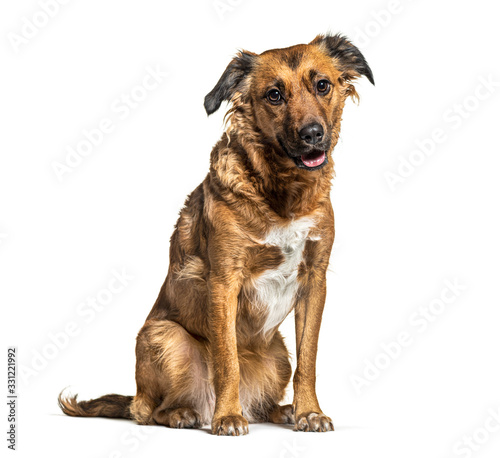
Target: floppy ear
{"points": [[350, 60], [230, 82]]}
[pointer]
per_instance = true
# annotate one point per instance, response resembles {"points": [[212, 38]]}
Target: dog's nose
{"points": [[312, 133]]}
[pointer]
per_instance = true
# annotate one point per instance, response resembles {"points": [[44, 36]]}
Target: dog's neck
{"points": [[246, 167]]}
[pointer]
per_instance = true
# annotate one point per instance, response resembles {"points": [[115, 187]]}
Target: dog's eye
{"points": [[274, 96], [323, 86]]}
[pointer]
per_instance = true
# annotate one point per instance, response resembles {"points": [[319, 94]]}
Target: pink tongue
{"points": [[314, 159]]}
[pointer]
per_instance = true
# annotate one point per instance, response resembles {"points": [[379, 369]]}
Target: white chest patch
{"points": [[276, 289]]}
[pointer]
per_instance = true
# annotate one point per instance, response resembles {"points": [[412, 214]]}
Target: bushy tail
{"points": [[111, 405]]}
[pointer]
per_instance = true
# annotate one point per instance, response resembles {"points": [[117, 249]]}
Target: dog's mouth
{"points": [[314, 159]]}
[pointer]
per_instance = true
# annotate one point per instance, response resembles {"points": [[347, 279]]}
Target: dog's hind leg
{"points": [[172, 377], [265, 374]]}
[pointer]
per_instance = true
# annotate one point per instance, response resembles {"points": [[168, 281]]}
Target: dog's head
{"points": [[296, 95]]}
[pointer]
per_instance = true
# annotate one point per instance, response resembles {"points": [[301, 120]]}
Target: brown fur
{"points": [[111, 405], [202, 355]]}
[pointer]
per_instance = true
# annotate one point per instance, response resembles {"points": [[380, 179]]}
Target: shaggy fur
{"points": [[252, 243]]}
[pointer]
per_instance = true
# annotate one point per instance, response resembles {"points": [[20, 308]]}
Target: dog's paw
{"points": [[230, 425], [283, 415], [181, 417], [313, 421], [184, 417]]}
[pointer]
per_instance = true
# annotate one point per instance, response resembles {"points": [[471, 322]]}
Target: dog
{"points": [[252, 243]]}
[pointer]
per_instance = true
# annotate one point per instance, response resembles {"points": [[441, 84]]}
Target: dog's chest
{"points": [[276, 289]]}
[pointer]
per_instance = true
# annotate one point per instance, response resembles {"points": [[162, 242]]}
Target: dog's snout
{"points": [[312, 133]]}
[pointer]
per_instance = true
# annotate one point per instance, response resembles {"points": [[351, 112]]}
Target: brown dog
{"points": [[252, 243]]}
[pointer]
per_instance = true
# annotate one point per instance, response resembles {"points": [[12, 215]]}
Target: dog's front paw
{"points": [[313, 422], [230, 425]]}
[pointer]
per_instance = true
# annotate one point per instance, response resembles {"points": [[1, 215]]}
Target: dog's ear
{"points": [[349, 58], [231, 81]]}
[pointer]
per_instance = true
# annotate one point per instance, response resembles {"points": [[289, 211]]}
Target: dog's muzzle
{"points": [[314, 159]]}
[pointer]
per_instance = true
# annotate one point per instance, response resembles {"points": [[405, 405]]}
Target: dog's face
{"points": [[296, 95]]}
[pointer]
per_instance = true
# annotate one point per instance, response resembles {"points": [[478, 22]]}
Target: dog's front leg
{"points": [[228, 419], [308, 312]]}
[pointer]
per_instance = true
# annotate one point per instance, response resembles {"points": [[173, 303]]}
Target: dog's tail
{"points": [[110, 405]]}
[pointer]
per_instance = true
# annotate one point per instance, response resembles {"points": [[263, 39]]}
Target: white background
{"points": [[394, 252]]}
